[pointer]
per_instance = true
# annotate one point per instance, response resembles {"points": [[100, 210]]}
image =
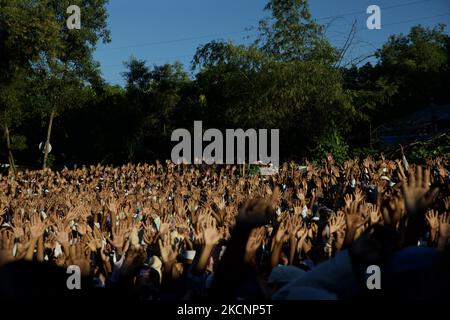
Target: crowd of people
{"points": [[170, 232]]}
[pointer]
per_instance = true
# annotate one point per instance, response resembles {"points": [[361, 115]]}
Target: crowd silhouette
{"points": [[171, 232]]}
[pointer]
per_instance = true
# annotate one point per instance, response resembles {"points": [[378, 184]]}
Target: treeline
{"points": [[290, 78]]}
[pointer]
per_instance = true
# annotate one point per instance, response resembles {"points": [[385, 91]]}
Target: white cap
{"points": [[189, 254]]}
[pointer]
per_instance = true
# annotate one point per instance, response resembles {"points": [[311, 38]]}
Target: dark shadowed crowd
{"points": [[368, 228]]}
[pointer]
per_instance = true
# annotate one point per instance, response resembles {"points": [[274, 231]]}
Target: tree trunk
{"points": [[12, 165], [47, 141]]}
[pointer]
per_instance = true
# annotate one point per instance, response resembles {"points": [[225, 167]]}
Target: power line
{"points": [[151, 60], [407, 21], [382, 8], [358, 30], [173, 40], [364, 28], [159, 58], [137, 45], [391, 24], [388, 24]]}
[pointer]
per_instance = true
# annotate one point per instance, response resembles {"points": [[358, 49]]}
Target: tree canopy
{"points": [[52, 88]]}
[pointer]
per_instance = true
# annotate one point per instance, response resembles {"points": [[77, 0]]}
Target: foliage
{"points": [[286, 79], [418, 64], [18, 142], [437, 147], [333, 142], [290, 33], [252, 169]]}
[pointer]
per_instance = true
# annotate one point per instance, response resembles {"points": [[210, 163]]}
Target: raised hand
{"points": [[340, 238], [255, 213], [301, 196], [444, 225], [62, 233], [120, 233], [134, 233], [182, 225], [282, 234], [255, 240], [150, 234], [374, 214], [36, 226], [17, 227], [301, 235], [93, 242], [354, 220], [79, 256], [3, 208], [295, 224], [432, 218], [83, 211], [447, 203], [275, 197], [71, 215], [354, 216], [82, 228], [6, 247], [393, 211], [113, 205], [22, 245], [337, 222], [359, 196], [367, 163], [348, 198], [211, 235], [169, 248], [165, 225], [416, 191], [219, 202], [401, 173]]}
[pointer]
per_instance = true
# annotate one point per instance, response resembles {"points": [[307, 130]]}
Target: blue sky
{"points": [[165, 31]]}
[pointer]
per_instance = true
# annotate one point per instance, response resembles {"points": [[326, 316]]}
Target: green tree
{"points": [[412, 71], [140, 109], [419, 65], [167, 83], [55, 91], [290, 33], [11, 106], [137, 76], [245, 87], [153, 95], [26, 30], [333, 142], [69, 65]]}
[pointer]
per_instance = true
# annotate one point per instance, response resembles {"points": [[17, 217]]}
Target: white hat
{"points": [[189, 254]]}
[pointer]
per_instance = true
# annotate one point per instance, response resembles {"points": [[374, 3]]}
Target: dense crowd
{"points": [[168, 232]]}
